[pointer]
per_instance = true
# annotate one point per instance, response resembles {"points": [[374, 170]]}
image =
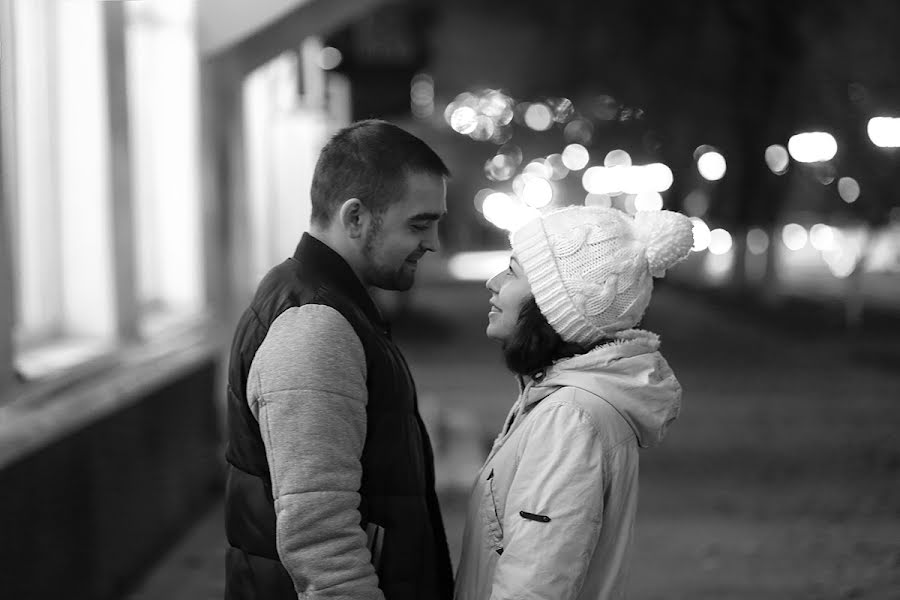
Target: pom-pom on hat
{"points": [[591, 269]]}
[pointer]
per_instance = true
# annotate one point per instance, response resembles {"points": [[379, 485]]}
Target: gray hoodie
{"points": [[552, 510]]}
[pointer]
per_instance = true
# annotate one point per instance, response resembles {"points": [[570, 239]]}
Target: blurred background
{"points": [[156, 157]]}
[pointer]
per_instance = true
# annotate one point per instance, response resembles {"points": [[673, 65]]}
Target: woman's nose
{"points": [[491, 283]]}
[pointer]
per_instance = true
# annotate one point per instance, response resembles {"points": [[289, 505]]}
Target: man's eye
{"points": [[421, 227]]}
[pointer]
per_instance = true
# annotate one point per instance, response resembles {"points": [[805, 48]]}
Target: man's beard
{"points": [[381, 275]]}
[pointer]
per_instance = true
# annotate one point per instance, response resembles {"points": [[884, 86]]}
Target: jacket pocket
{"points": [[490, 514]]}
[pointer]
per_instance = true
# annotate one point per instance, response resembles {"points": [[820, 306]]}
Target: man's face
{"points": [[404, 232]]}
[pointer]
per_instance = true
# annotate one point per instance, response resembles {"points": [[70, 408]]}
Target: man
{"points": [[330, 489]]}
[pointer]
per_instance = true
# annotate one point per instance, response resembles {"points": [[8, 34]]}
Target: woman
{"points": [[552, 509]]}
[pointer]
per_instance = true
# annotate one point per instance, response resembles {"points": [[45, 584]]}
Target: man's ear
{"points": [[354, 216]]}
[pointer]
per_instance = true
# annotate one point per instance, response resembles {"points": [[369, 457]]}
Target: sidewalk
{"points": [[781, 478]]}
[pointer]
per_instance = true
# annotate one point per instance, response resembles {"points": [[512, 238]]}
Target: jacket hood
{"points": [[629, 373]]}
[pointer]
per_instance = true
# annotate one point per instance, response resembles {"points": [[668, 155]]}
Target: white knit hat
{"points": [[591, 269]]}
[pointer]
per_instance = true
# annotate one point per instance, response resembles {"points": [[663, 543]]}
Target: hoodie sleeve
{"points": [[307, 389], [560, 483]]}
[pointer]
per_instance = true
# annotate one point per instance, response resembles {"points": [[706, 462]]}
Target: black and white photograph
{"points": [[449, 300]]}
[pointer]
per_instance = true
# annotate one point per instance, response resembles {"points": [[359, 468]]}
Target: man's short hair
{"points": [[369, 160]]}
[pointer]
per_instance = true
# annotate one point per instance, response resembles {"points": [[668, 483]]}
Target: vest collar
{"points": [[332, 268]]}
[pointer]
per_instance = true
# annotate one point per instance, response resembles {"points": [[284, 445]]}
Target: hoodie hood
{"points": [[629, 373]]}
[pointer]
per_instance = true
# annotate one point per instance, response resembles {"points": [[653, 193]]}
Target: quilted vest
{"points": [[397, 487]]}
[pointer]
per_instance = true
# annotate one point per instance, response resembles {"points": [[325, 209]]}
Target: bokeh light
{"points": [[538, 168], [617, 158], [537, 192], [579, 131], [884, 131], [599, 180], [464, 120], [794, 236], [711, 166], [821, 237], [558, 168], [655, 177], [484, 128], [513, 152], [500, 168], [648, 201], [844, 255], [329, 58], [701, 234], [757, 241], [477, 266], [575, 157], [480, 196], [719, 241], [848, 189], [812, 146], [506, 212], [825, 173], [659, 176], [562, 109], [777, 159], [538, 116], [421, 96]]}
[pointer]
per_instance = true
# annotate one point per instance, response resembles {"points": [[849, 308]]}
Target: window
{"points": [[59, 200], [92, 264], [163, 96]]}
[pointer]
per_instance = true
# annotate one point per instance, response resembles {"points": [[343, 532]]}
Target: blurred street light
{"points": [[821, 237], [701, 235], [538, 168], [464, 120], [537, 192], [617, 158], [719, 241], [575, 157], [794, 236], [777, 159], [558, 168], [655, 177], [884, 131], [648, 201], [848, 189], [329, 58], [421, 96], [757, 241], [538, 116], [711, 166], [812, 146]]}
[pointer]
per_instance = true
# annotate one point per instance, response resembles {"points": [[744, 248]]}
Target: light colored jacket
{"points": [[552, 510]]}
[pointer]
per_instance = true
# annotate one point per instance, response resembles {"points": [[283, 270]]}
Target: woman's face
{"points": [[509, 292]]}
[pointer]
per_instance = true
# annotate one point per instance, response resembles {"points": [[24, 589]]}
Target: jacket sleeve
{"points": [[307, 388], [560, 477]]}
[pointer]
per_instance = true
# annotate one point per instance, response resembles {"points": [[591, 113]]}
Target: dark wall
{"points": [[84, 517]]}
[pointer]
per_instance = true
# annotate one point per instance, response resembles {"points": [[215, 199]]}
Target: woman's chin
{"points": [[491, 332]]}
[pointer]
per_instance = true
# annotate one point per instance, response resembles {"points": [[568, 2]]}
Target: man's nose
{"points": [[433, 241]]}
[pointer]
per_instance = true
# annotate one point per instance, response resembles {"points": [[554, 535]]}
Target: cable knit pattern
{"points": [[591, 269]]}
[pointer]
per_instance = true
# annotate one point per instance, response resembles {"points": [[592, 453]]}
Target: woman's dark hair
{"points": [[370, 160], [534, 344]]}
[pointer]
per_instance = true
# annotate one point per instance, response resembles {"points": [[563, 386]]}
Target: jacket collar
{"points": [[331, 268]]}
